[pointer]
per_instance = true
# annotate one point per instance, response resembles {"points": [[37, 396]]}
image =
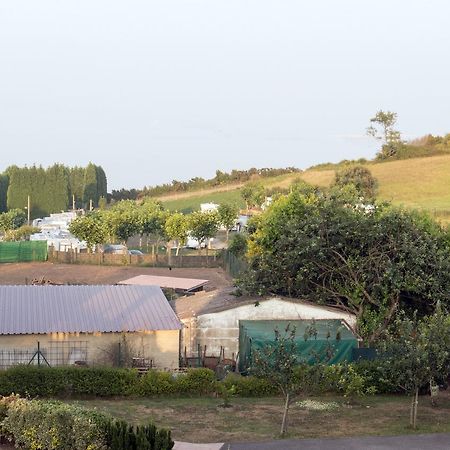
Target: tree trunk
{"points": [[285, 414], [416, 404], [178, 248], [411, 412], [228, 232]]}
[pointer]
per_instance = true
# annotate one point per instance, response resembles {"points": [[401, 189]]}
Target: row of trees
{"points": [[51, 189], [197, 183], [149, 220]]}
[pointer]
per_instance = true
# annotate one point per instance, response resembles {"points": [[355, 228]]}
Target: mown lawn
{"points": [[249, 419]]}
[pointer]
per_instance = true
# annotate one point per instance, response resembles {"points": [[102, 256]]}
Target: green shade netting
{"points": [[255, 334], [23, 251]]}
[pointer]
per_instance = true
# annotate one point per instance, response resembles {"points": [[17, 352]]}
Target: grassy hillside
{"points": [[422, 183], [190, 201]]}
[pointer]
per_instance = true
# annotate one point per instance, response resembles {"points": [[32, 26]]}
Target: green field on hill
{"points": [[420, 183]]}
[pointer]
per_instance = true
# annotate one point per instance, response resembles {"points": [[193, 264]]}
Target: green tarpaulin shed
{"points": [[23, 251], [331, 343]]}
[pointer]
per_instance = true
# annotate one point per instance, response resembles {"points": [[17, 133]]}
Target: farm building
{"points": [[212, 320], [87, 325]]}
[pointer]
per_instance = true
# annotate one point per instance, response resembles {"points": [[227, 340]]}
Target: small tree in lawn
{"points": [[176, 228], [227, 215], [203, 226], [418, 354], [276, 363]]}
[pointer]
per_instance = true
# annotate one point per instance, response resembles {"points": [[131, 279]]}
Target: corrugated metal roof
{"points": [[185, 284], [84, 309]]}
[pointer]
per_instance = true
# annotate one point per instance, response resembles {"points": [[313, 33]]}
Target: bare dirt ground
{"points": [[23, 273]]}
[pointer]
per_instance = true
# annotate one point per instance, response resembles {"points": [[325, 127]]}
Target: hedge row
{"points": [[74, 381], [36, 424], [104, 382]]}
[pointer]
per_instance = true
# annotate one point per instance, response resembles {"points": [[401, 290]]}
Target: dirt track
{"points": [[23, 273]]}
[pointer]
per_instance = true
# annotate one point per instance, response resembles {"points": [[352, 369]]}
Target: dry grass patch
{"points": [[202, 420]]}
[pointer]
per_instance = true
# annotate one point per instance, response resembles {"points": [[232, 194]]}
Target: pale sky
{"points": [[157, 90]]}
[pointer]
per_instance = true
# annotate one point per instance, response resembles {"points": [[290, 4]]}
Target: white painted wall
{"points": [[221, 329]]}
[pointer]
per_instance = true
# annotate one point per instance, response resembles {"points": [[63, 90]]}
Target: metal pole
{"points": [[39, 354]]}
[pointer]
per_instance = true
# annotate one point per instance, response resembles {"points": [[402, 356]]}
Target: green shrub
{"points": [[347, 379], [196, 381], [105, 381], [33, 381], [157, 383], [318, 379], [122, 436], [355, 384], [50, 382], [373, 371], [35, 424], [249, 386]]}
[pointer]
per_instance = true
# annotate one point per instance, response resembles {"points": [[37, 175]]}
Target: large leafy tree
{"points": [[228, 214], [176, 228], [370, 262], [151, 220], [91, 228], [90, 185], [382, 128], [360, 177], [122, 220], [4, 180], [203, 226], [253, 194], [12, 220]]}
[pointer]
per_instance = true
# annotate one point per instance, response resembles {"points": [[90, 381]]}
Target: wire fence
{"points": [[233, 265], [54, 354]]}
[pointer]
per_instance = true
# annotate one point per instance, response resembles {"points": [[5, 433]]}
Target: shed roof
{"points": [[84, 309], [185, 284], [223, 300]]}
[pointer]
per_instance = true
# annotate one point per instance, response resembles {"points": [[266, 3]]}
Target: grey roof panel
{"points": [[88, 309], [185, 284]]}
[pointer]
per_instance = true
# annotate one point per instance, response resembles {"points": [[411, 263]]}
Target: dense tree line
{"points": [[196, 183], [51, 189], [148, 219]]}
